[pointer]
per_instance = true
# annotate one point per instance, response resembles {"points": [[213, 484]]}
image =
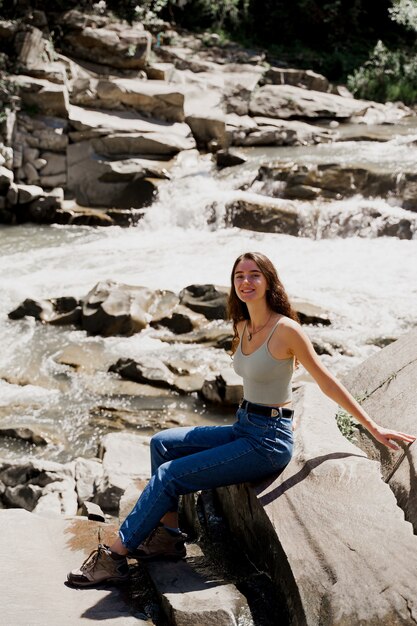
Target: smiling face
{"points": [[249, 282]]}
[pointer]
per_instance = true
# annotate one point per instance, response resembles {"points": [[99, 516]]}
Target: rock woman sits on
{"points": [[268, 341]]}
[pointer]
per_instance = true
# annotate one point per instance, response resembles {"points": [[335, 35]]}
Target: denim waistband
{"points": [[266, 411]]}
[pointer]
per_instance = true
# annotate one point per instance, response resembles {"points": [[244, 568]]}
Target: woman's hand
{"points": [[385, 435]]}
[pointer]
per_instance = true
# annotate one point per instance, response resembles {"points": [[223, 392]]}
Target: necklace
{"points": [[252, 333]]}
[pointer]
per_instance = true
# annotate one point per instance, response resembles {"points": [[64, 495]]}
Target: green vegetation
{"points": [[346, 424], [390, 74]]}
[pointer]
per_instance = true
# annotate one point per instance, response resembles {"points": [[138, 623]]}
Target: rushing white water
{"points": [[367, 285]]}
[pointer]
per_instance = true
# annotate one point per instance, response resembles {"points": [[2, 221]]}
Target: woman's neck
{"points": [[258, 313]]}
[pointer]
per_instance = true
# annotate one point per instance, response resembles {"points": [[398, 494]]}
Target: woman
{"points": [[267, 341]]}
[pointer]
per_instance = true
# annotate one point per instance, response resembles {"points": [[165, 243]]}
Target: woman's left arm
{"points": [[301, 347]]}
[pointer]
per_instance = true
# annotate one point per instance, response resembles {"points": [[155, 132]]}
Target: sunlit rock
{"points": [[333, 530], [126, 457], [385, 384], [105, 41], [298, 78], [206, 299]]}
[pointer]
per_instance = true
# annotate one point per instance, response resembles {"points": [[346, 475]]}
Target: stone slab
{"points": [[37, 554], [193, 598]]}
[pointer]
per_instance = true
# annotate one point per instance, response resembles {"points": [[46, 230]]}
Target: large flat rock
{"points": [[328, 529], [36, 555], [386, 384]]}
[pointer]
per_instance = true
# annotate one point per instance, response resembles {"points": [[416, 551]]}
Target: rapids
{"points": [[367, 284]]}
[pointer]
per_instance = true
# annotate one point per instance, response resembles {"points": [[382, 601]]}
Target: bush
{"points": [[387, 75]]}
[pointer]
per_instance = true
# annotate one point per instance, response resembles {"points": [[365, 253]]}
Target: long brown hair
{"points": [[276, 296]]}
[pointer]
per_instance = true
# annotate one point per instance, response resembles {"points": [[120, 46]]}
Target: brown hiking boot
{"points": [[99, 567], [161, 543]]}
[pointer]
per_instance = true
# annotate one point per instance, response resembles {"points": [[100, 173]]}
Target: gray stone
{"points": [[31, 173], [93, 512], [30, 154], [115, 309], [190, 597], [48, 97], [206, 299], [298, 78], [263, 214], [334, 532], [85, 173], [106, 42], [87, 473], [28, 193], [287, 101], [206, 129], [6, 179], [12, 195], [162, 144], [126, 457], [29, 435], [22, 496], [154, 97], [385, 384], [63, 544], [130, 497], [55, 164], [224, 388], [57, 180]]}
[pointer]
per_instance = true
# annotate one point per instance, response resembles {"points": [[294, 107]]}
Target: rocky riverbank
{"points": [[103, 114]]}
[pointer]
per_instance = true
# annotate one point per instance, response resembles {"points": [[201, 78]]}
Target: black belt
{"points": [[266, 411]]}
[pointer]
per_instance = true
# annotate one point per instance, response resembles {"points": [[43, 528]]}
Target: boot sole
{"points": [[112, 581]]}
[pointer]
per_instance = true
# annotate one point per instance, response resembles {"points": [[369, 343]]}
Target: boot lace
{"points": [[91, 561]]}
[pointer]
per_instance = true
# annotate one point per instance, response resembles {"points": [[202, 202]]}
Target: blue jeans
{"points": [[185, 460]]}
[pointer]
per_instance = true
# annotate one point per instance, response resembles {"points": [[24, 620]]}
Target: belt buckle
{"points": [[274, 413]]}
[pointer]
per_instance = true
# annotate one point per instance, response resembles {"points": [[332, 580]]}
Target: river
{"points": [[366, 284]]}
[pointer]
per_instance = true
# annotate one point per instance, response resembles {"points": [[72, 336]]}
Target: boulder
{"points": [[24, 433], [47, 97], [225, 158], [28, 193], [126, 458], [55, 164], [287, 101], [218, 336], [113, 308], [31, 48], [41, 486], [6, 179], [153, 98], [161, 144], [299, 78], [153, 371], [334, 532], [209, 300], [106, 42], [254, 212], [88, 473], [385, 384], [207, 129], [180, 320], [286, 179], [91, 180], [225, 388]]}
